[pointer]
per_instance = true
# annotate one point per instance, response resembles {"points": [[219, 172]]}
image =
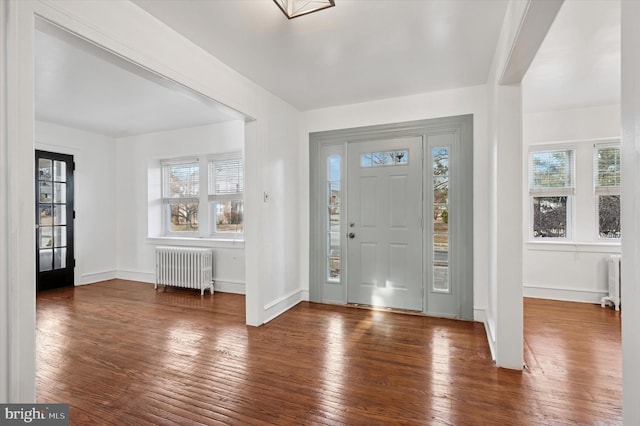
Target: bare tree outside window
{"points": [[607, 188], [226, 189], [551, 183], [550, 217], [184, 217], [181, 189], [609, 216]]}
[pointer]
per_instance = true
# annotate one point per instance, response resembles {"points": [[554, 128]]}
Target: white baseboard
{"points": [[489, 329], [305, 295], [145, 277], [97, 277], [479, 314], [223, 286], [226, 286], [564, 294], [281, 305]]}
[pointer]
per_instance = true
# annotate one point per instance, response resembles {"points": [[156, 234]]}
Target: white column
{"points": [[630, 212], [20, 201], [509, 312], [4, 278], [254, 300]]}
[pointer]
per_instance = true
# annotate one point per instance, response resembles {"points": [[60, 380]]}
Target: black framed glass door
{"points": [[54, 220]]}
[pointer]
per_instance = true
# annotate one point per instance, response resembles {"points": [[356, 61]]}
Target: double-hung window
{"points": [[551, 187], [226, 191], [181, 195], [606, 184], [189, 184]]}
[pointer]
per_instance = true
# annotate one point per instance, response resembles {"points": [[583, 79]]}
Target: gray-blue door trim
{"points": [[459, 130]]}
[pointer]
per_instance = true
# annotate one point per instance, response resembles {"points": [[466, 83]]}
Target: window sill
{"points": [[574, 246], [197, 242]]}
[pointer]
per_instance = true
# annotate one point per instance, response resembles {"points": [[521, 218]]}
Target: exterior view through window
{"points": [[185, 209], [607, 189], [551, 184]]}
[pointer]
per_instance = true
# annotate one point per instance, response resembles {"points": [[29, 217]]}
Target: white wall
{"points": [[575, 270], [631, 212], [271, 148], [6, 329], [94, 197], [271, 155], [470, 100], [135, 156]]}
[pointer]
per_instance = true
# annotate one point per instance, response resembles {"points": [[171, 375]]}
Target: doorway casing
{"points": [[459, 130]]}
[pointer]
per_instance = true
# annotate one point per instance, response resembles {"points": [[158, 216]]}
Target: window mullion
{"points": [[204, 212]]}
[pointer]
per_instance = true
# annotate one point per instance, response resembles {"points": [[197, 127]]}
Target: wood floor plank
{"points": [[121, 353]]}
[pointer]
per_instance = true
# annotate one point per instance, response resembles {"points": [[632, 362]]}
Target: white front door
{"points": [[384, 225]]}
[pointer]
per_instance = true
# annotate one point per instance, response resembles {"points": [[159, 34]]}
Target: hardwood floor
{"points": [[120, 353]]}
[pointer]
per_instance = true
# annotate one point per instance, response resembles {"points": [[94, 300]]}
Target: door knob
{"points": [[352, 235]]}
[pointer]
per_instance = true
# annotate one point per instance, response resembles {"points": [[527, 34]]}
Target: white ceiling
{"points": [[357, 51], [85, 87], [578, 64]]}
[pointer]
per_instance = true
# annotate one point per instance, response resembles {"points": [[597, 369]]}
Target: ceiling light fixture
{"points": [[295, 8]]}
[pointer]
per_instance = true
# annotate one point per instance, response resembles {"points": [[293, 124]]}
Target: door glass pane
{"points": [[46, 236], [334, 168], [441, 279], [440, 161], [46, 260], [44, 218], [334, 195], [60, 215], [402, 157], [60, 171], [334, 219], [365, 160], [46, 195], [440, 220], [440, 173], [377, 158], [441, 248], [440, 189], [334, 268], [60, 236], [59, 193], [60, 258], [389, 158], [44, 169], [334, 244]]}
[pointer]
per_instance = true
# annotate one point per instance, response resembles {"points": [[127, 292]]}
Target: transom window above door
{"points": [[388, 158]]}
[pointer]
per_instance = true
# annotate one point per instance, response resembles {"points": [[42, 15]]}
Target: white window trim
{"points": [[568, 192], [577, 236], [165, 201], [212, 198], [602, 190], [206, 227]]}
